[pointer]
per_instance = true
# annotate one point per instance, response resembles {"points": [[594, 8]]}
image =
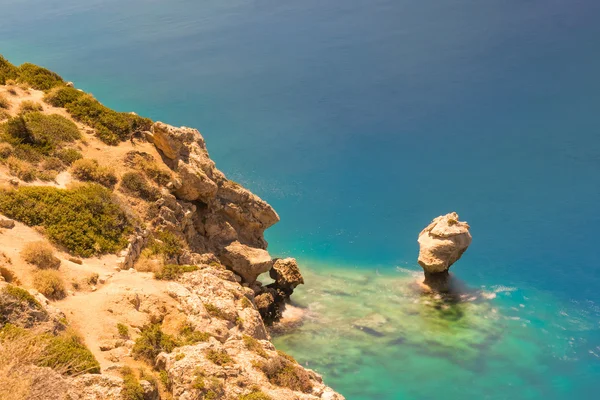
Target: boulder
{"points": [[442, 243], [7, 223], [195, 184], [248, 262], [286, 273], [170, 139]]}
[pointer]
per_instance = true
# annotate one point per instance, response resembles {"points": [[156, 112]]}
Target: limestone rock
{"points": [[7, 223], [286, 273], [247, 262], [442, 243]]}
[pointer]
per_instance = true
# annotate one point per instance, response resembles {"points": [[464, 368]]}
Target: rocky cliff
{"points": [[131, 262]]}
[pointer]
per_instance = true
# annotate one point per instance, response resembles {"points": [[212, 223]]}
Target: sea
{"points": [[360, 121]]}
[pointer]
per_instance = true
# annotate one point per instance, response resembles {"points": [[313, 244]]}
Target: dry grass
{"points": [[41, 255], [29, 106], [89, 170], [4, 103], [50, 284], [20, 353], [21, 169]]}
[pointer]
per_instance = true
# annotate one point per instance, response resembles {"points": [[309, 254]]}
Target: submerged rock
{"points": [[442, 243]]}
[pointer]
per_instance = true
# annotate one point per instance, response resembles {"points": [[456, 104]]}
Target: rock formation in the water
{"points": [[442, 243]]}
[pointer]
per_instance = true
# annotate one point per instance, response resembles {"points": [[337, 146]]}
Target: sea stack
{"points": [[442, 243]]}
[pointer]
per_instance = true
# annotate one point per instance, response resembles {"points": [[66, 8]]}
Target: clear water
{"points": [[362, 120]]}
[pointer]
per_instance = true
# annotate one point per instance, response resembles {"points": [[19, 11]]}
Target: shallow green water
{"points": [[379, 337]]}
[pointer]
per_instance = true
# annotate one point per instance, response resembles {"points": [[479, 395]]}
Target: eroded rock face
{"points": [[442, 243], [247, 262], [286, 274], [214, 215]]}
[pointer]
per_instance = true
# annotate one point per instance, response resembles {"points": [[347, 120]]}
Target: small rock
{"points": [[69, 84], [7, 223], [76, 260]]}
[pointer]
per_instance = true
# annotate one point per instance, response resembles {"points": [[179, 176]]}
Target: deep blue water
{"points": [[360, 121]]}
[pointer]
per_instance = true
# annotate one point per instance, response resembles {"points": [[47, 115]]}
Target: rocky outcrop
{"points": [[213, 214], [442, 243]]}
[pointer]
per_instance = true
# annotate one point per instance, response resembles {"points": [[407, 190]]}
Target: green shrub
{"points": [[111, 126], [171, 272], [219, 357], [65, 353], [123, 330], [62, 95], [210, 388], [255, 346], [136, 184], [89, 170], [38, 77], [85, 219], [152, 342], [29, 106], [146, 163], [132, 390], [7, 71], [52, 164], [4, 103], [23, 296], [282, 372], [69, 352], [50, 284], [166, 244], [36, 135], [188, 335], [41, 255], [215, 311], [53, 128], [68, 156], [255, 395]]}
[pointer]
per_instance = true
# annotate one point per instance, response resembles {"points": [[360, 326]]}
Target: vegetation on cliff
{"points": [[86, 219]]}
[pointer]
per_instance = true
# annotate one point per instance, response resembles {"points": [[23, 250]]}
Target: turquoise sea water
{"points": [[360, 121]]}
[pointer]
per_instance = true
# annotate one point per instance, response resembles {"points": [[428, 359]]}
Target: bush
{"points": [[188, 335], [68, 156], [29, 106], [166, 244], [111, 126], [89, 170], [41, 255], [68, 353], [62, 95], [152, 342], [215, 311], [4, 103], [38, 77], [171, 272], [22, 296], [255, 346], [282, 372], [7, 71], [4, 115], [136, 184], [85, 219], [132, 390], [50, 284], [123, 330], [146, 163], [21, 169], [219, 357], [53, 129], [52, 164], [36, 135], [255, 395]]}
